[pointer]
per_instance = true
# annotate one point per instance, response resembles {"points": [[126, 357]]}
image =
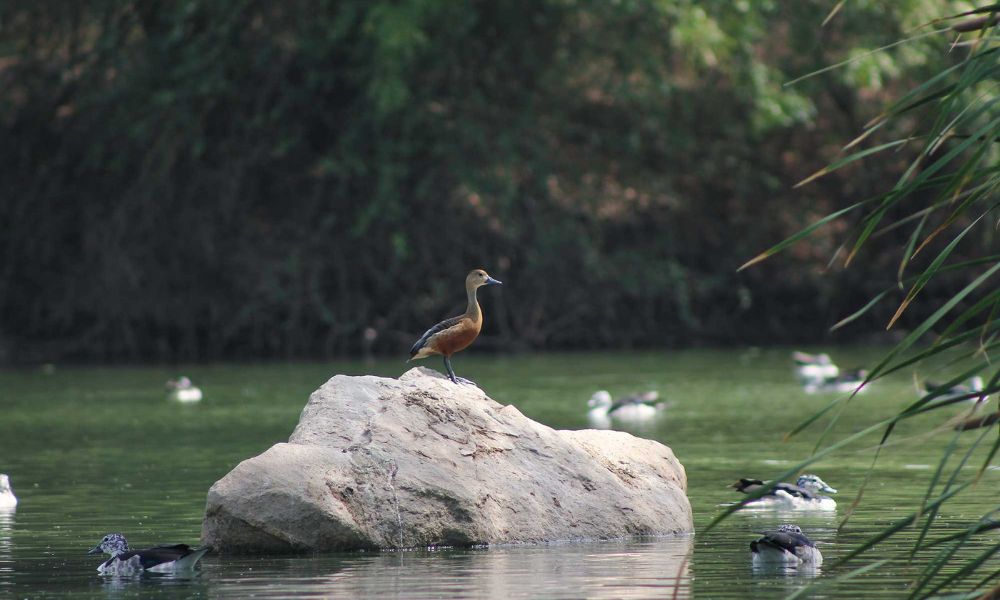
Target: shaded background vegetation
{"points": [[207, 179]]}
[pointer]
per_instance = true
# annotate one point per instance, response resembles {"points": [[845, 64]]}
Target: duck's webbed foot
{"points": [[463, 380]]}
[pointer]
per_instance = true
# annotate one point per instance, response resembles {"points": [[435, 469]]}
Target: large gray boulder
{"points": [[420, 461]]}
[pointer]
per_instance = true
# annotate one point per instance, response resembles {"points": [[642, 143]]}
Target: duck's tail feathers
{"points": [[188, 562]]}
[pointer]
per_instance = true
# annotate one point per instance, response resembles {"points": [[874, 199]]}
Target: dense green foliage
{"points": [[232, 178]]}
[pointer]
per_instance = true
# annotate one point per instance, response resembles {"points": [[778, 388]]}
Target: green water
{"points": [[94, 450]]}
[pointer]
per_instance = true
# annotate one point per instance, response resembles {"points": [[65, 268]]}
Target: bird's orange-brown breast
{"points": [[455, 338]]}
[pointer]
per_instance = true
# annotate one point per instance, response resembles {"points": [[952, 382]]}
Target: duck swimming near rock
{"points": [[804, 494], [844, 383], [183, 390], [812, 368], [455, 334], [7, 498], [786, 545], [158, 559], [632, 408]]}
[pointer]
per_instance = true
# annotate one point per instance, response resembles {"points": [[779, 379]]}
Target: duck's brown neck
{"points": [[472, 310]]}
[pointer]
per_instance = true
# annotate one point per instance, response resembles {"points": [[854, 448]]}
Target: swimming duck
{"points": [[158, 559], [455, 334], [843, 383], [635, 407], [787, 545], [182, 390], [804, 494], [971, 385], [814, 367], [7, 497]]}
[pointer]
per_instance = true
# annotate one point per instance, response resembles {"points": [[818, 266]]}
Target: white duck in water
{"points": [[634, 408], [7, 498], [842, 384], [785, 546], [183, 390], [814, 367], [158, 559], [804, 494]]}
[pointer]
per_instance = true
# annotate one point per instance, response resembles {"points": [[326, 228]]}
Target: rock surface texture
{"points": [[419, 461]]}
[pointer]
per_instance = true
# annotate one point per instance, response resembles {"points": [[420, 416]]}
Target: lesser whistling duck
{"points": [[814, 367], [455, 334], [787, 545], [183, 390], [158, 559], [7, 497], [804, 494]]}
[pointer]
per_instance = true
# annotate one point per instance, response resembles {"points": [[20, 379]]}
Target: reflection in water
{"points": [[802, 570], [631, 570], [782, 580], [6, 545], [144, 584], [784, 511]]}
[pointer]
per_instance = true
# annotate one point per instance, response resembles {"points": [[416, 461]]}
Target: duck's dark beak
{"points": [[491, 281], [96, 550]]}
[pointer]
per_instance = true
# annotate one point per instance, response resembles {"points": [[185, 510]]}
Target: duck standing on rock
{"points": [[455, 334], [158, 559]]}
